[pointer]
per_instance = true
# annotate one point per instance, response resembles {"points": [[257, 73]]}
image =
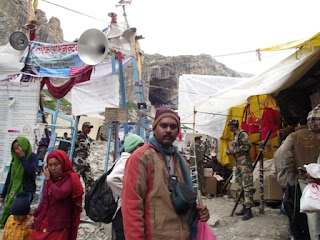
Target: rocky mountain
{"points": [[160, 73], [13, 17]]}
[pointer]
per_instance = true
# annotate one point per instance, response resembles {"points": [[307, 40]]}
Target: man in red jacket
{"points": [[147, 209]]}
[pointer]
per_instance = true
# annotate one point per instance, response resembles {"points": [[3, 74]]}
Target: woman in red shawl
{"points": [[58, 215]]}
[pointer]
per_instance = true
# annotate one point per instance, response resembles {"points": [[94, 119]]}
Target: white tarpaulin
{"points": [[281, 76], [194, 88], [10, 60], [95, 95]]}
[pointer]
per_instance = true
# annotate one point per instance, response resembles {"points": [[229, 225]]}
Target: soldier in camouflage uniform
{"points": [[199, 153], [241, 152], [81, 153]]}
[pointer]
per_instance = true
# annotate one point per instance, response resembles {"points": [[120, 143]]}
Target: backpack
{"points": [[100, 205]]}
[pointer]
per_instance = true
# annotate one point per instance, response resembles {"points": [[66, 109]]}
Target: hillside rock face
{"points": [[13, 17], [160, 74]]}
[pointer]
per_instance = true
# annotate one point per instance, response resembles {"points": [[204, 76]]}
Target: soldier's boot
{"points": [[241, 212], [247, 214]]}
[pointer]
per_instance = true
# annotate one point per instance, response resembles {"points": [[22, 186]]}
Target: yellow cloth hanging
{"points": [[227, 136]]}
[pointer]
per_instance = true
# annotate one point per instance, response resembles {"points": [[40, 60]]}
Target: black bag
{"points": [[291, 201], [100, 205], [182, 197]]}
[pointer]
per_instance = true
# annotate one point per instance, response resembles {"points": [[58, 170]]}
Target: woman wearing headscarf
{"points": [[58, 215], [21, 176]]}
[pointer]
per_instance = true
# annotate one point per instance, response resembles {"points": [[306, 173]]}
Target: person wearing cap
{"points": [[218, 169], [81, 153], [198, 152], [214, 164], [15, 227], [115, 179], [65, 145], [241, 152], [299, 148], [313, 121], [147, 208]]}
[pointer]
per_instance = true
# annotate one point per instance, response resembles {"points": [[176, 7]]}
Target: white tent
{"points": [[195, 88], [211, 112]]}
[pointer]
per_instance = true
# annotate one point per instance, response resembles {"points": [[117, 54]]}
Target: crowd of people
{"points": [[139, 181], [144, 182]]}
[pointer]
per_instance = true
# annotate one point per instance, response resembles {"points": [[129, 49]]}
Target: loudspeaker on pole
{"points": [[19, 40], [93, 46]]}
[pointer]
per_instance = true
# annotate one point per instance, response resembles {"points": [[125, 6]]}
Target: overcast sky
{"points": [[192, 27]]}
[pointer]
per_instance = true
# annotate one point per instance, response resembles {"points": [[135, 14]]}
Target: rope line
{"points": [[69, 9]]}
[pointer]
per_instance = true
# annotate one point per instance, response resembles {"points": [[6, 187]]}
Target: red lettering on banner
{"points": [[47, 50], [64, 48], [55, 49], [37, 50], [42, 49], [72, 48]]}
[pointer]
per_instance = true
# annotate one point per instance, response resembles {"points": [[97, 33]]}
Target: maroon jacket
{"points": [[56, 204]]}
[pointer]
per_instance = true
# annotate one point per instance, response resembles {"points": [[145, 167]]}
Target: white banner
{"points": [[95, 95], [19, 103], [10, 60]]}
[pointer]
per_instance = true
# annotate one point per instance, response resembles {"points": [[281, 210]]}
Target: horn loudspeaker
{"points": [[92, 46], [19, 40]]}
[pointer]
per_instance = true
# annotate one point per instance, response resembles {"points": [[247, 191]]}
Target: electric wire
{"points": [[213, 56], [69, 9]]}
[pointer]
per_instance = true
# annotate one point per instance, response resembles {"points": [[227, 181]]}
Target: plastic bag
{"points": [[269, 121], [313, 169], [310, 199], [249, 122], [204, 232]]}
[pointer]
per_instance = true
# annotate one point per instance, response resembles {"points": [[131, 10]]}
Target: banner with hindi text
{"points": [[54, 60]]}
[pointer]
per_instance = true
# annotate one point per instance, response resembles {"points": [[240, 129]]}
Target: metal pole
{"points": [[140, 98], [113, 67], [123, 93], [194, 122], [108, 147], [261, 206], [74, 133], [116, 141]]}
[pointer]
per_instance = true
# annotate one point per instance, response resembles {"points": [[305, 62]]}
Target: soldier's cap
{"points": [[234, 122], [87, 124]]}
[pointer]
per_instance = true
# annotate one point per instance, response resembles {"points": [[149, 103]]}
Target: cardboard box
{"points": [[234, 189], [272, 190], [211, 185], [207, 172]]}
